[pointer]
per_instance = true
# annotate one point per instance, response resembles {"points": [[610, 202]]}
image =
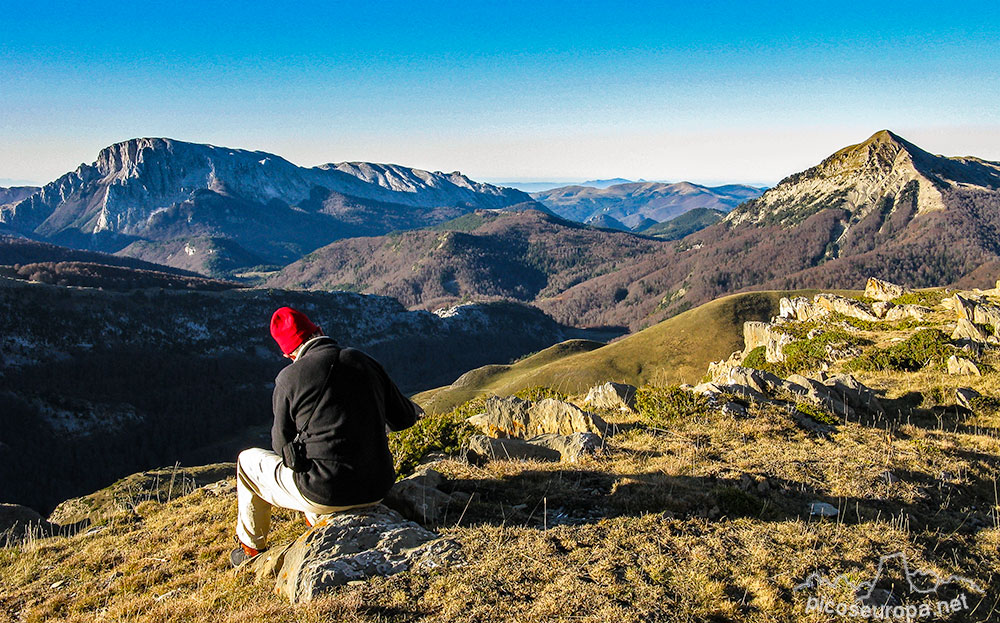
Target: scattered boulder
{"points": [[965, 330], [351, 546], [902, 312], [517, 418], [853, 392], [883, 290], [818, 393], [961, 365], [845, 306], [483, 448], [571, 448], [419, 498], [18, 523], [823, 509], [976, 312], [734, 409], [757, 380], [615, 396], [965, 396]]}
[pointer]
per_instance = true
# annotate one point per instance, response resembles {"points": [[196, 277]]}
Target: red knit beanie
{"points": [[290, 327]]}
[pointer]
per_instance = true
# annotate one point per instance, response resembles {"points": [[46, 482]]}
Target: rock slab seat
{"points": [[350, 546]]}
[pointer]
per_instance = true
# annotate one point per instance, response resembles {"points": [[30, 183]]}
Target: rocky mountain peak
{"points": [[857, 178], [883, 153]]}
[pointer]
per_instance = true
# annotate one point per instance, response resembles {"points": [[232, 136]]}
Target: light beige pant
{"points": [[263, 481]]}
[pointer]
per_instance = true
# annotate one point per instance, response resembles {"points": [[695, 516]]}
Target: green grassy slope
{"points": [[676, 350]]}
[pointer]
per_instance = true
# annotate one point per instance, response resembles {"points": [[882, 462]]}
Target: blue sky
{"points": [[710, 92]]}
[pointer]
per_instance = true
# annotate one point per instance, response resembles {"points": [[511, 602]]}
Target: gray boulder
{"points": [[521, 419], [418, 497], [615, 396], [842, 394], [965, 330], [758, 380], [571, 448], [351, 546], [883, 290], [962, 366], [966, 396], [823, 509], [481, 447]]}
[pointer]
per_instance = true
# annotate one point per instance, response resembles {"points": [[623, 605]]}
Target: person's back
{"points": [[331, 407], [341, 400]]}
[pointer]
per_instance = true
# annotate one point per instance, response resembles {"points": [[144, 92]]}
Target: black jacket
{"points": [[353, 399]]}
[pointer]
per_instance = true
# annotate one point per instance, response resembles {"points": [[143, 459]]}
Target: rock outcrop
{"points": [[965, 330], [962, 366], [883, 290], [757, 334], [833, 303], [977, 312], [419, 497], [841, 393], [351, 546], [822, 305], [521, 419], [614, 396]]}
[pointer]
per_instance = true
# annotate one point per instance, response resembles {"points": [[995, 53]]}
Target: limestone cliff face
{"points": [[884, 173], [162, 189]]}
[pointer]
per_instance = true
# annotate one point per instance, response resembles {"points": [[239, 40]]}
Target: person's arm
{"points": [[400, 411], [283, 429]]}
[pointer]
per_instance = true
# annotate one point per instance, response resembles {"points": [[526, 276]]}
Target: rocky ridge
{"points": [[159, 189]]}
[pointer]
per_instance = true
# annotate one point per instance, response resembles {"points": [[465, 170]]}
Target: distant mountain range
{"points": [[636, 204], [162, 191], [882, 208]]}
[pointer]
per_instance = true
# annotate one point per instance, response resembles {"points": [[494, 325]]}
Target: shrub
{"points": [[658, 406], [539, 393], [808, 354], [816, 413], [927, 298], [433, 433], [755, 358], [870, 325], [925, 347]]}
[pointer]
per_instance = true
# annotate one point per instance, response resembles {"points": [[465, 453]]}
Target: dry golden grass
{"points": [[706, 522], [705, 519]]}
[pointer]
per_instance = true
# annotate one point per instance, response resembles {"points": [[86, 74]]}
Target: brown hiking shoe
{"points": [[241, 553]]}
